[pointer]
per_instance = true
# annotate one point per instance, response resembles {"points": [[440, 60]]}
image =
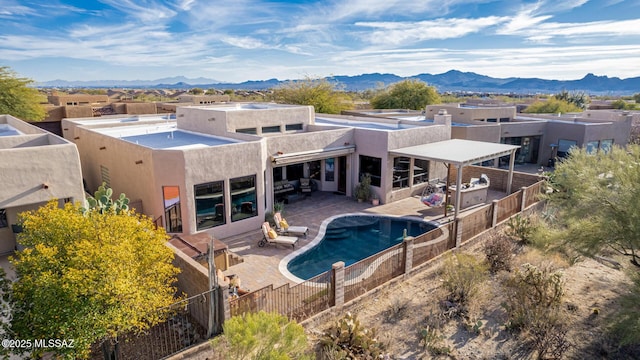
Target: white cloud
{"points": [[147, 11], [397, 33]]}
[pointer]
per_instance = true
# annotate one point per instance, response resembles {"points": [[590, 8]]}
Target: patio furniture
{"points": [[283, 227], [282, 189], [270, 236], [433, 195], [305, 186]]}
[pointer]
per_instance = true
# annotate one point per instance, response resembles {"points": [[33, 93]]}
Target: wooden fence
{"points": [[342, 284]]}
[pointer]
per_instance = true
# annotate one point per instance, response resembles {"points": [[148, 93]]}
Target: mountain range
{"points": [[450, 81]]}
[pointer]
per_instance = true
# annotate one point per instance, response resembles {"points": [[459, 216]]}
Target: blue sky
{"points": [[235, 41]]}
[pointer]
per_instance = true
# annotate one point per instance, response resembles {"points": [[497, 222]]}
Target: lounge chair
{"points": [[305, 186], [283, 227], [270, 236]]}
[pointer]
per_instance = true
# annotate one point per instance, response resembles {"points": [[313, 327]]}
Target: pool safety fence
{"points": [[298, 302], [184, 323], [369, 273], [343, 284]]}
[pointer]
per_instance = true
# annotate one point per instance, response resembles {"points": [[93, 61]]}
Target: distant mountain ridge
{"points": [[452, 80]]}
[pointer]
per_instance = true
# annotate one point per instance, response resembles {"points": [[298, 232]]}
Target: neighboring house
{"points": [[221, 167], [35, 167], [541, 137]]}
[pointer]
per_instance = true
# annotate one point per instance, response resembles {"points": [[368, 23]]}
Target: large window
{"points": [[3, 218], [401, 172], [243, 197], [372, 166], [209, 205], [295, 171], [172, 216], [592, 146], [605, 145], [277, 174], [420, 171], [564, 146]]}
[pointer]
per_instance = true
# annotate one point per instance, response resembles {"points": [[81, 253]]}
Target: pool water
{"points": [[352, 238]]}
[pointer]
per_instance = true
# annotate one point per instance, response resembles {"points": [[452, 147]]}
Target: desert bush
{"points": [[347, 339], [463, 276], [499, 251], [549, 339], [625, 325], [533, 296], [262, 336], [431, 336], [397, 308], [520, 228]]}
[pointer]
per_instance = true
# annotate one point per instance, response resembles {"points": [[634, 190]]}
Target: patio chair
{"points": [[283, 227], [305, 186], [270, 236]]}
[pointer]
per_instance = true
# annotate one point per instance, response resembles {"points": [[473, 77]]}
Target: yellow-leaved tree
{"points": [[89, 274]]}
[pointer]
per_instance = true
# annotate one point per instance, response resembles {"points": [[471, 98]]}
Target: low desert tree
{"points": [[597, 198], [551, 106], [17, 98], [407, 94], [89, 274], [323, 95]]}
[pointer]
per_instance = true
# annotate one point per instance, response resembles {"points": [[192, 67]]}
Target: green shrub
{"points": [[431, 336], [263, 336], [625, 325], [462, 276], [347, 339], [499, 251], [520, 228], [533, 297]]}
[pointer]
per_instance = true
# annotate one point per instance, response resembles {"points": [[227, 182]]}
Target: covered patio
{"points": [[460, 153]]}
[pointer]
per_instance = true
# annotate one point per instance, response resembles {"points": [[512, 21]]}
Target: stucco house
{"points": [[35, 167], [221, 167]]}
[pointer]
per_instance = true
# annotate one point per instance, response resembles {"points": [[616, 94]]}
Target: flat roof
{"points": [[177, 139], [244, 106], [124, 120], [164, 136], [362, 124], [8, 130], [456, 151]]}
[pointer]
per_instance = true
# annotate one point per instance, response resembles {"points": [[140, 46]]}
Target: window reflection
{"points": [[209, 205], [243, 197], [172, 215]]}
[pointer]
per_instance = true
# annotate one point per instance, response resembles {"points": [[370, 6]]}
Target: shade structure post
{"points": [[512, 159], [458, 192]]}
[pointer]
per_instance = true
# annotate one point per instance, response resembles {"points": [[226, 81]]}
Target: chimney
{"points": [[442, 118]]}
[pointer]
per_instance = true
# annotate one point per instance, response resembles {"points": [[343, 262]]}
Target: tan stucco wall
{"points": [[33, 170], [217, 121], [467, 114], [224, 163]]}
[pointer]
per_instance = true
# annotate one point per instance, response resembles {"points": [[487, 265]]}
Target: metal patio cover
{"points": [[460, 153]]}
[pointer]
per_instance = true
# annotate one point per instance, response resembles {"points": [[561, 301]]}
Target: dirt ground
{"points": [[399, 313]]}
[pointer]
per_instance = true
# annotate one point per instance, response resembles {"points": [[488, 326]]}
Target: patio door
{"points": [[342, 174]]}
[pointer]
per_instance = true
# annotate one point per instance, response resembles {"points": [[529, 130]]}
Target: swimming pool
{"points": [[350, 238]]}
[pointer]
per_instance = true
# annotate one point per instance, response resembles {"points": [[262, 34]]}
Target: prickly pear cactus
{"points": [[102, 201]]}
